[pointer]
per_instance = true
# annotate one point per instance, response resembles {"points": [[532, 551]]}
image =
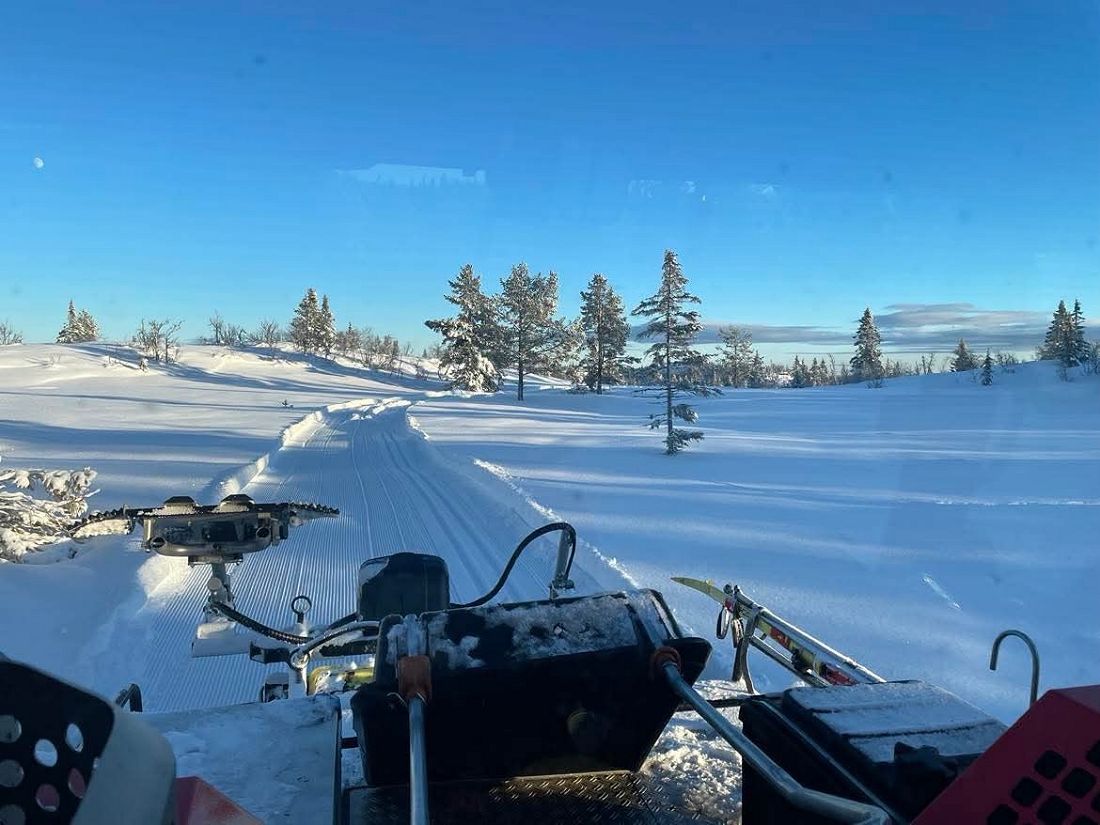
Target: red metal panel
{"points": [[1045, 769], [199, 803]]}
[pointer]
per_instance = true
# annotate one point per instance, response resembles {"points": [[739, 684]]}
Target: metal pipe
{"points": [[834, 807], [418, 764], [1034, 657], [807, 676]]}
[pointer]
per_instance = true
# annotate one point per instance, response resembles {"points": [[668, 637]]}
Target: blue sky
{"points": [[937, 164]]}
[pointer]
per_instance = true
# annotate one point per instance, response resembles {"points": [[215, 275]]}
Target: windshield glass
{"points": [[786, 296]]}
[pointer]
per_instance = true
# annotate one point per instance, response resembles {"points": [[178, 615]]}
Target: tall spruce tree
{"points": [[1060, 343], [605, 329], [800, 374], [530, 333], [675, 327], [69, 332], [468, 336], [89, 327], [1082, 350], [987, 369], [819, 373], [306, 321], [756, 376], [964, 360], [480, 311], [736, 355], [326, 329], [867, 362]]}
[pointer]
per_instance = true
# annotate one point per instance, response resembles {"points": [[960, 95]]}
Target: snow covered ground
{"points": [[906, 525]]}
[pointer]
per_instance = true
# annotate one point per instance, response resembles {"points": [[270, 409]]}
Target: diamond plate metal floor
{"points": [[616, 797]]}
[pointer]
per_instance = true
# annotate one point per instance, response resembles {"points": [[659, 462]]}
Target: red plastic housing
{"points": [[1044, 769]]}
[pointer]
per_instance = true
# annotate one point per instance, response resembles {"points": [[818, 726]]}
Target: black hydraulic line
{"points": [[343, 620], [557, 526], [262, 629]]}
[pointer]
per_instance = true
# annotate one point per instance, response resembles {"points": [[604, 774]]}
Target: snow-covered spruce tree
{"points": [[69, 332], [756, 376], [987, 369], [26, 522], [80, 327], [867, 362], [326, 329], [482, 311], [87, 326], [605, 328], [675, 327], [736, 355], [1082, 349], [800, 374], [964, 359], [461, 361], [470, 338], [1060, 343], [530, 333], [306, 322]]}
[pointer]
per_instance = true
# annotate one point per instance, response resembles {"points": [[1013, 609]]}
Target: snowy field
{"points": [[905, 525]]}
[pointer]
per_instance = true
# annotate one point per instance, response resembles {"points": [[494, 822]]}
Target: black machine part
{"points": [[535, 688], [401, 584], [893, 744], [67, 755], [206, 533]]}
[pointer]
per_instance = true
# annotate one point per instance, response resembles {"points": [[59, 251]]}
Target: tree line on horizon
{"points": [[518, 328]]}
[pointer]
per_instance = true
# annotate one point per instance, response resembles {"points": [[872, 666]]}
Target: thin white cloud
{"points": [[910, 328], [400, 174], [642, 188], [769, 191]]}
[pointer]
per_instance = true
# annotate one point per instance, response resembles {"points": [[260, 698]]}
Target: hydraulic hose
{"points": [[258, 627], [554, 527]]}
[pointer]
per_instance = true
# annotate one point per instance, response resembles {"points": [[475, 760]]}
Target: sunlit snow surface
{"points": [[905, 525]]}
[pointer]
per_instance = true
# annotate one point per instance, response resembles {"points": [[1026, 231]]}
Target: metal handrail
{"points": [[805, 799], [418, 764], [1034, 657]]}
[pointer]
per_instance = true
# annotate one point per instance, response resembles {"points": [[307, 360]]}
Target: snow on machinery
{"points": [[536, 711]]}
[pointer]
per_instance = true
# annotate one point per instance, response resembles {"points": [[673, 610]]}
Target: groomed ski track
{"points": [[394, 493]]}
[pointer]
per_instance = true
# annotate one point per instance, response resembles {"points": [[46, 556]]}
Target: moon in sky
{"points": [[38, 163]]}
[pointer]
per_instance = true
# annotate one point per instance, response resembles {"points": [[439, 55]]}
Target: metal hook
{"points": [[1034, 657]]}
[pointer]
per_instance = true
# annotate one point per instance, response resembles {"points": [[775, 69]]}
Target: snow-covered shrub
{"points": [[28, 522]]}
